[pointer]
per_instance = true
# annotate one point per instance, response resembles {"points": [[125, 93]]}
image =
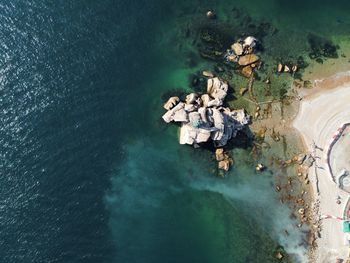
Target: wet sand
{"points": [[322, 111]]}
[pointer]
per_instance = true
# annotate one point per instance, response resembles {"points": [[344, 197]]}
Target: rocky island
{"points": [[204, 118]]}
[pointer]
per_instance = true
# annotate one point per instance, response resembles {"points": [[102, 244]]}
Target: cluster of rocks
{"points": [[242, 52], [223, 159], [286, 68], [204, 118]]}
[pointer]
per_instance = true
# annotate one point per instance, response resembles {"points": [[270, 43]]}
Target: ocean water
{"points": [[89, 173]]}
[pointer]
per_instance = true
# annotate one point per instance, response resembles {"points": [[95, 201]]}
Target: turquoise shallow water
{"points": [[89, 173]]}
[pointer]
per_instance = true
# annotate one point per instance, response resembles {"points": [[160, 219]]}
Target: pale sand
{"points": [[323, 109]]}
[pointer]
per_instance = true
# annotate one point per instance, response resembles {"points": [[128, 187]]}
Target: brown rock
{"points": [[248, 59], [279, 256], [279, 67], [219, 154], [247, 71], [224, 165]]}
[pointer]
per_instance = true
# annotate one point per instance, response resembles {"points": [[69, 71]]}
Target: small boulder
{"points": [[279, 68], [249, 42], [237, 48], [286, 68], [205, 100], [219, 154], [210, 14], [260, 167], [208, 74], [224, 165], [279, 256], [171, 103], [191, 98]]}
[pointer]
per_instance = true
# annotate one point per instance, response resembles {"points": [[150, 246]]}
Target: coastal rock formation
{"points": [[203, 118], [242, 52]]}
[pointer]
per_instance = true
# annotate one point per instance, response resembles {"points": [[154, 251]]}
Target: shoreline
{"points": [[324, 106]]}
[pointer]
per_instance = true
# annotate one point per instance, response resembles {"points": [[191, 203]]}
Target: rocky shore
{"points": [[251, 87]]}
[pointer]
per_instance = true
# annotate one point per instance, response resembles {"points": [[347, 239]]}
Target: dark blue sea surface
{"points": [[88, 172]]}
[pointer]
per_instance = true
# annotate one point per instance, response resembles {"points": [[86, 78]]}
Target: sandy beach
{"points": [[323, 110]]}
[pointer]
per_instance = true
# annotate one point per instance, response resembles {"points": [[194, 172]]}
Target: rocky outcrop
{"points": [[242, 52], [203, 118]]}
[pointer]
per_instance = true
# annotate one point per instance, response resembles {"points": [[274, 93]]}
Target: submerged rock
{"points": [[208, 74]]}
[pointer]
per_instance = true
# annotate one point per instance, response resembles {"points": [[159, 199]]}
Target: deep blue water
{"points": [[62, 119], [88, 172]]}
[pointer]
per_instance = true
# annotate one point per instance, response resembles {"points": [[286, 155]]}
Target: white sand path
{"points": [[319, 116]]}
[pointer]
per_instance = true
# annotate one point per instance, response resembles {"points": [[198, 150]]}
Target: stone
{"points": [[279, 256], [294, 68], [205, 99], [190, 107], [279, 68], [208, 74], [219, 154], [169, 115], [237, 48], [191, 135], [224, 165], [210, 14], [247, 71], [247, 59], [249, 42], [214, 103], [203, 113], [181, 116], [260, 167], [171, 103], [217, 88], [191, 98], [286, 68]]}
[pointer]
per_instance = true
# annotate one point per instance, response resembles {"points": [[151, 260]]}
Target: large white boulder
{"points": [[249, 42], [217, 88], [191, 135], [169, 115]]}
